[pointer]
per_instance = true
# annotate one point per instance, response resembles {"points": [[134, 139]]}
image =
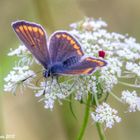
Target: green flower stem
{"points": [[100, 131], [129, 85], [86, 117], [98, 125], [116, 97]]}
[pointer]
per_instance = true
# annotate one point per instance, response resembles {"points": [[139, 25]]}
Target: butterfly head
{"points": [[47, 73], [52, 70]]}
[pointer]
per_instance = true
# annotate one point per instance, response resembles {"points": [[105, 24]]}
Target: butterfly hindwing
{"points": [[85, 66], [33, 37], [62, 46]]}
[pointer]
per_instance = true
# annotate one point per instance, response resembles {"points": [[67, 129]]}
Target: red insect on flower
{"points": [[101, 54]]}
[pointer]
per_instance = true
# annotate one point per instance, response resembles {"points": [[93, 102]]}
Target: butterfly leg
{"points": [[31, 76], [51, 83], [59, 85], [73, 84], [44, 91]]}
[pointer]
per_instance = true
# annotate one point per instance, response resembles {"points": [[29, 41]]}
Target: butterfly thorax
{"points": [[57, 68]]}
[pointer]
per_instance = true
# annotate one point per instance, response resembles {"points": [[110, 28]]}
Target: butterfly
{"points": [[61, 54]]}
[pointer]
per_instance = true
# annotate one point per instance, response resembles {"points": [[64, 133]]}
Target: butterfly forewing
{"points": [[33, 37], [63, 46]]}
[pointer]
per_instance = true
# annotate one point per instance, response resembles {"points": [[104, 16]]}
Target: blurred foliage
{"points": [[24, 116]]}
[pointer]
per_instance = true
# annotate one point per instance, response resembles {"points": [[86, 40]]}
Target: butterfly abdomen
{"points": [[70, 61]]}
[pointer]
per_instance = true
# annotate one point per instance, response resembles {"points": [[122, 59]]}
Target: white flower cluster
{"points": [[132, 99], [120, 50], [18, 77], [105, 114], [25, 56], [122, 54], [110, 73], [50, 93], [84, 85], [20, 51], [133, 68], [91, 25]]}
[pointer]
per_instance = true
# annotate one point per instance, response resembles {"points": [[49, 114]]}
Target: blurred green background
{"points": [[24, 116]]}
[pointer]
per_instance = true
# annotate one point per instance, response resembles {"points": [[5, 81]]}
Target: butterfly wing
{"points": [[33, 37], [85, 66], [63, 46]]}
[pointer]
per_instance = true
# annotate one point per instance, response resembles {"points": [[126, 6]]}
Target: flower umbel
{"points": [[131, 99], [25, 56], [50, 93], [122, 54], [17, 77], [105, 114]]}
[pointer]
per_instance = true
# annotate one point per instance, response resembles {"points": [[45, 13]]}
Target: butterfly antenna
{"points": [[30, 76]]}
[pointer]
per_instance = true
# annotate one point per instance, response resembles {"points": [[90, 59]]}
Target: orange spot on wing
{"points": [[100, 63], [58, 36], [87, 71], [41, 32], [35, 29], [25, 27], [89, 59], [17, 30], [30, 28], [28, 35], [79, 52], [63, 35], [21, 28], [69, 38], [76, 47], [72, 42]]}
